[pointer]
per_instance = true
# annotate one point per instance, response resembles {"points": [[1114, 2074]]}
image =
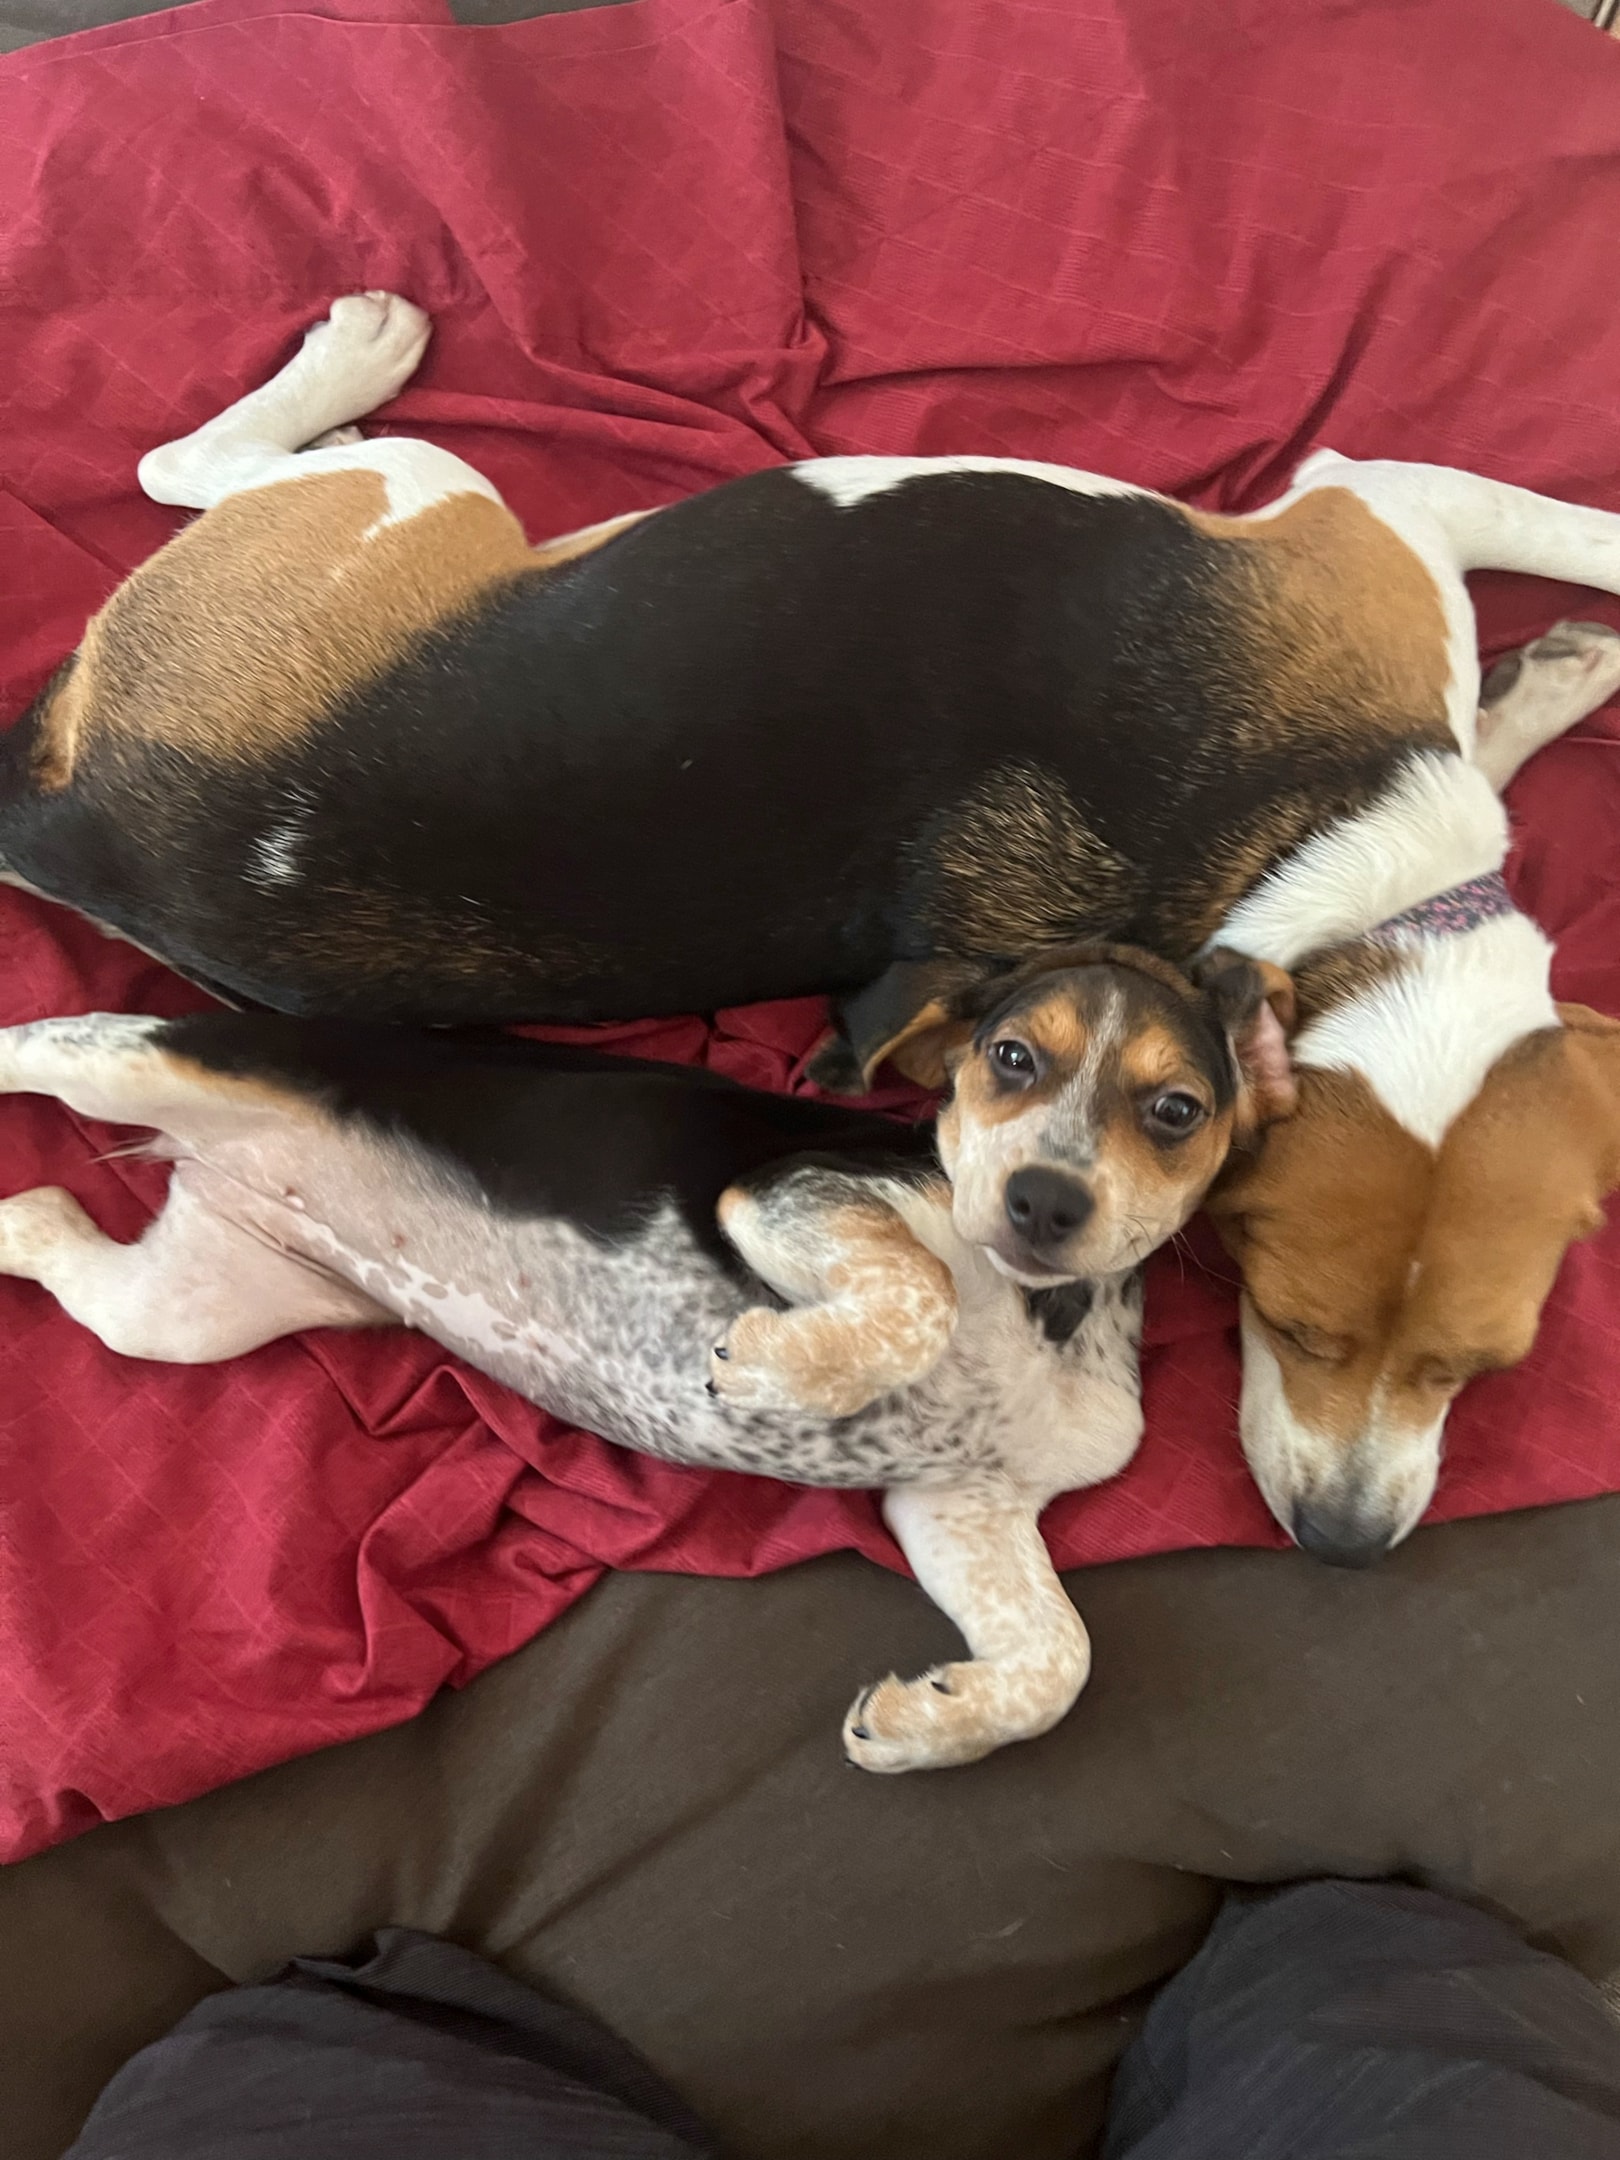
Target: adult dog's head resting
{"points": [[1385, 1266]]}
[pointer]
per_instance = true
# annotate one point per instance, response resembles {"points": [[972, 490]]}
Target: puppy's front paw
{"points": [[930, 1723], [789, 1361], [960, 1713]]}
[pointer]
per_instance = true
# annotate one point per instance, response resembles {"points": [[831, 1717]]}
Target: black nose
{"points": [[1045, 1207], [1340, 1540]]}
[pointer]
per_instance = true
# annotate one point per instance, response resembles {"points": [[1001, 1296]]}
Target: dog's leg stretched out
{"points": [[874, 1309], [299, 422], [977, 1550], [194, 1288], [1456, 522]]}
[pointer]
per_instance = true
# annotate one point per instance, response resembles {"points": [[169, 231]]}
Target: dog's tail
{"points": [[1486, 524]]}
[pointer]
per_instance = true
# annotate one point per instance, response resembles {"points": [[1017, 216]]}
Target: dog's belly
{"points": [[616, 1336]]}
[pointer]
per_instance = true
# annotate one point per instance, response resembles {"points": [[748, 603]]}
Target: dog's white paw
{"points": [[33, 1223], [1584, 652], [373, 342], [1574, 668]]}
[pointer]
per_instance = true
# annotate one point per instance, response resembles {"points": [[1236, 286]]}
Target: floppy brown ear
{"points": [[1254, 1002], [908, 1018]]}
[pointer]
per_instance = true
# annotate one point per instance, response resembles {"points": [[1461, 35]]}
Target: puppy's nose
{"points": [[1045, 1207], [1341, 1541]]}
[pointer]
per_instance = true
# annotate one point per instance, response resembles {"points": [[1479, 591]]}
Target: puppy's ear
{"points": [[912, 1017], [1254, 1003]]}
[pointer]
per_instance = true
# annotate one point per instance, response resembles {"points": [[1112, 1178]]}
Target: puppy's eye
{"points": [[1012, 1060], [1173, 1115]]}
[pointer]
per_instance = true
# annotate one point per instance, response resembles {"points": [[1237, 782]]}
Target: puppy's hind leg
{"points": [[976, 1548], [193, 1290], [875, 1309], [364, 353]]}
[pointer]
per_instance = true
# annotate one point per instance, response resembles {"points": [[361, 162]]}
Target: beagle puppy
{"points": [[349, 745], [701, 1271]]}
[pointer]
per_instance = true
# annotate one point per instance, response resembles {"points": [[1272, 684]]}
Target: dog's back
{"points": [[762, 743]]}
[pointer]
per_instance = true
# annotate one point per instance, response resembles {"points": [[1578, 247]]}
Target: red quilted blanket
{"points": [[664, 243]]}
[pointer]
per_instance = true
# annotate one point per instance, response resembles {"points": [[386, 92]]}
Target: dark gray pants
{"points": [[1366, 2021], [1334, 2021]]}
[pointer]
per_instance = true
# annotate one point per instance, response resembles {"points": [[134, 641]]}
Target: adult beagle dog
{"points": [[349, 745], [599, 1233]]}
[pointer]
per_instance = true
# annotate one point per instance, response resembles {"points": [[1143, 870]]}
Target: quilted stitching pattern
{"points": [[666, 243]]}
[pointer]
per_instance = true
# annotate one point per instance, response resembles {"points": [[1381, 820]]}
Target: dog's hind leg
{"points": [[1478, 524], [364, 352], [193, 1290], [874, 1309], [1532, 696], [1455, 522], [976, 1548]]}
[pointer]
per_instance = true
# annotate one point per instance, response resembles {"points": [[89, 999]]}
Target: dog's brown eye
{"points": [[1012, 1060], [1174, 1115]]}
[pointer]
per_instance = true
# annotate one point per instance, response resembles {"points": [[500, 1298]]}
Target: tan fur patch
{"points": [[1342, 619], [252, 623], [1153, 1057]]}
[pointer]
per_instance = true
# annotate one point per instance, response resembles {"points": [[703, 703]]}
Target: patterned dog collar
{"points": [[1447, 914]]}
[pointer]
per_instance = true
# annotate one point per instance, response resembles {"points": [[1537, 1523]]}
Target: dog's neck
{"points": [[1414, 969], [1439, 824]]}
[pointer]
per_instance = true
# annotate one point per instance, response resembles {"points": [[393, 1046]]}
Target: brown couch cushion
{"points": [[648, 1812]]}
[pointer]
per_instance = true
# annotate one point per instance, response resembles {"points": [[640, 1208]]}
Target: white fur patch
{"points": [[1439, 824], [848, 481], [274, 860], [1425, 1038]]}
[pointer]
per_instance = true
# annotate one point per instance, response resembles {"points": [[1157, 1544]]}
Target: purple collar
{"points": [[1447, 914]]}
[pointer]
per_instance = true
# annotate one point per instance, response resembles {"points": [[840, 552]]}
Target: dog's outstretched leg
{"points": [[192, 1291], [194, 1288], [976, 1548], [363, 354], [874, 1309]]}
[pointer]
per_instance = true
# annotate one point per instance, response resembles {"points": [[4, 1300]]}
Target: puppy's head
{"points": [[1094, 1094]]}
